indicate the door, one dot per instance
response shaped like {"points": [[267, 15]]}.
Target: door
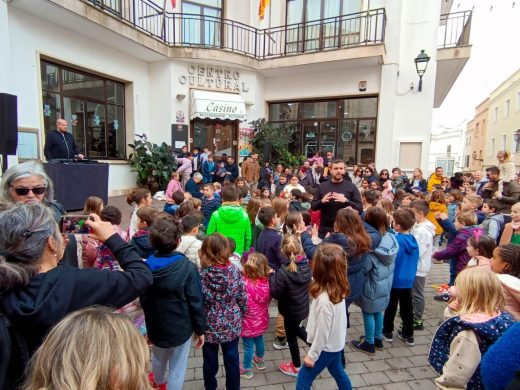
{"points": [[221, 137]]}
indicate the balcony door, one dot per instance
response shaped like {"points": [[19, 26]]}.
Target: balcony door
{"points": [[201, 25]]}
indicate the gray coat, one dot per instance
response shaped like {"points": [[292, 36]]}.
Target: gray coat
{"points": [[379, 273]]}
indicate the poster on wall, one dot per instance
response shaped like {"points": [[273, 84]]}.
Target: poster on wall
{"points": [[245, 141]]}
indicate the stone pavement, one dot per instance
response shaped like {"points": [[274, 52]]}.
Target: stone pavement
{"points": [[397, 367]]}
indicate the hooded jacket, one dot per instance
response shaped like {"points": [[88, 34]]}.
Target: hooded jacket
{"points": [[209, 206], [141, 240], [51, 295], [493, 225], [232, 221], [405, 261], [423, 233], [291, 290], [511, 290], [436, 208], [256, 320], [379, 273], [173, 306], [457, 248], [355, 262], [225, 302], [189, 246]]}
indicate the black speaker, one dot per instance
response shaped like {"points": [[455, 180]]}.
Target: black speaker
{"points": [[8, 124]]}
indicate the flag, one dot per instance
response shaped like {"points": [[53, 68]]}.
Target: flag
{"points": [[173, 4], [261, 10]]}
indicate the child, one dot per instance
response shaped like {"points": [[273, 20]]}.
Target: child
{"points": [[369, 199], [174, 298], [244, 196], [218, 189], [265, 193], [231, 220], [269, 241], [174, 185], [507, 169], [327, 324], [139, 198], [210, 202], [289, 285], [189, 245], [506, 264], [256, 320], [172, 205], [252, 211], [437, 205], [234, 258], [511, 234], [493, 222], [404, 276], [423, 231], [209, 167], [221, 173], [454, 198], [379, 270], [296, 199], [293, 185], [281, 208], [141, 239], [225, 302], [473, 203], [105, 257], [93, 205], [294, 223], [280, 186], [315, 214], [465, 226], [460, 342]]}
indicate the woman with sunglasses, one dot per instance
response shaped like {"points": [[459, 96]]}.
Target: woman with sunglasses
{"points": [[384, 176], [417, 183], [369, 174], [357, 176]]}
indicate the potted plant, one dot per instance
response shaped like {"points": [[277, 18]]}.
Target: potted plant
{"points": [[153, 163]]}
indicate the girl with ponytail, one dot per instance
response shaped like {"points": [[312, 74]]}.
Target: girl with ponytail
{"points": [[289, 285]]}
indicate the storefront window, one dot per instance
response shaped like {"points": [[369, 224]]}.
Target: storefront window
{"points": [[360, 108], [93, 106], [319, 109], [283, 111]]}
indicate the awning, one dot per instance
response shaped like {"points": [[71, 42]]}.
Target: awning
{"points": [[217, 105]]}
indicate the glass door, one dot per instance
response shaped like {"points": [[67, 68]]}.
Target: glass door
{"points": [[95, 126], [327, 137], [366, 141], [219, 136], [310, 137]]}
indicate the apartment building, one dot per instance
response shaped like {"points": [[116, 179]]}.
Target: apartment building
{"points": [[475, 137]]}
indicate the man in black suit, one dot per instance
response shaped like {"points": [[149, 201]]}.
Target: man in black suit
{"points": [[60, 144]]}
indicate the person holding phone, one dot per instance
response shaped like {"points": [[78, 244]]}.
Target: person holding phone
{"points": [[36, 292], [333, 195]]}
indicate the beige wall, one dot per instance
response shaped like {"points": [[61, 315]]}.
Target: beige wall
{"points": [[503, 121], [475, 136]]}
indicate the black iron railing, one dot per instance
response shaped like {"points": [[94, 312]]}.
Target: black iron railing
{"points": [[359, 29], [455, 29]]}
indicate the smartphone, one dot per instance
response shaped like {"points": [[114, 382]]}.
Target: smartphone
{"points": [[75, 224]]}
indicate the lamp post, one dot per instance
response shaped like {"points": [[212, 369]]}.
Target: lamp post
{"points": [[421, 63]]}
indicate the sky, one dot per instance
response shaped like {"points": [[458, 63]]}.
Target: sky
{"points": [[495, 55]]}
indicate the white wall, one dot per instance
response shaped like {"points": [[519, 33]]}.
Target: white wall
{"points": [[30, 37]]}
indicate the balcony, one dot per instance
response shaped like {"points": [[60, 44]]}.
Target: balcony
{"points": [[453, 51], [197, 31]]}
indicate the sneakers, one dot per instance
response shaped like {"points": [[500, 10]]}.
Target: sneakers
{"points": [[289, 369], [388, 337], [259, 363], [378, 343], [363, 346], [155, 386], [245, 373], [408, 340], [418, 325], [280, 344]]}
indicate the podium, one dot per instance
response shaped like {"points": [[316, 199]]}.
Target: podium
{"points": [[75, 181]]}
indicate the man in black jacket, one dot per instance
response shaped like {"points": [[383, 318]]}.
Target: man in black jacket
{"points": [[333, 195], [60, 144]]}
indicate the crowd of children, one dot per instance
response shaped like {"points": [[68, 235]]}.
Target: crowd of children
{"points": [[218, 261]]}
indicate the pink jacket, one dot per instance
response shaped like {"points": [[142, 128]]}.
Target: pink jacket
{"points": [[256, 320], [173, 186]]}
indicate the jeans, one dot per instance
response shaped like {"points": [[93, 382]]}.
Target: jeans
{"points": [[176, 359], [250, 344], [418, 297], [332, 361], [453, 271], [231, 364], [373, 323], [403, 298], [293, 330]]}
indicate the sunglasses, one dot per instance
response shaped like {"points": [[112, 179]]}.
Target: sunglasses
{"points": [[368, 171], [25, 191], [445, 181]]}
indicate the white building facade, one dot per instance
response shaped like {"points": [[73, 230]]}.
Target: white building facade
{"points": [[341, 71]]}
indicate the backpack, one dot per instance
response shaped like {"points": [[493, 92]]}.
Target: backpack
{"points": [[14, 355]]}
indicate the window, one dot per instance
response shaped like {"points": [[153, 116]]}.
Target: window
{"points": [[93, 106], [492, 148], [203, 24], [448, 149], [517, 101], [506, 108], [476, 130], [494, 115], [347, 127], [504, 142], [466, 161]]}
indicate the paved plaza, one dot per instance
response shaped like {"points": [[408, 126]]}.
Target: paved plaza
{"points": [[397, 367]]}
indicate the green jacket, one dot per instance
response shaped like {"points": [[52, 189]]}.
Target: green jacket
{"points": [[232, 221]]}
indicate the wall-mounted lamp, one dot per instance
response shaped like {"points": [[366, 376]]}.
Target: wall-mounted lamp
{"points": [[421, 63], [181, 96], [516, 136], [474, 155]]}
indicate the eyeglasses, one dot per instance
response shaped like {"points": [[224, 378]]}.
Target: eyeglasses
{"points": [[367, 171], [445, 181], [384, 173], [25, 191]]}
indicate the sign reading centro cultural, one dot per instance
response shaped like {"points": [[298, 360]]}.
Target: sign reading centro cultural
{"points": [[213, 77]]}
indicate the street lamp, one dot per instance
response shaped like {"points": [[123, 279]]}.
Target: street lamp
{"points": [[516, 135], [421, 63]]}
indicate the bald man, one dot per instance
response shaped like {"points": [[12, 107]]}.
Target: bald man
{"points": [[60, 144]]}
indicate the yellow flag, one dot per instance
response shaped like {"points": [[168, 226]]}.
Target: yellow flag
{"points": [[261, 10]]}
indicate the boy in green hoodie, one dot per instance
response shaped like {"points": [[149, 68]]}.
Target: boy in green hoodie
{"points": [[231, 220]]}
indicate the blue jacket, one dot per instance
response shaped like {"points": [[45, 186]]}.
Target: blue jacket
{"points": [[270, 244], [379, 274], [356, 262], [406, 261], [207, 169], [208, 206], [193, 188]]}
